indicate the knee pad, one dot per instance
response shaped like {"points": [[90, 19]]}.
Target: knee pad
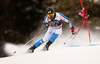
{"points": [[37, 44]]}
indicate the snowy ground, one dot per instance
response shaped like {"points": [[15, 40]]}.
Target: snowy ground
{"points": [[78, 51], [61, 55]]}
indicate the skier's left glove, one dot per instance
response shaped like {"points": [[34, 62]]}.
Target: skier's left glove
{"points": [[73, 31]]}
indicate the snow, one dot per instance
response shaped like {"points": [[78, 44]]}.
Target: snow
{"points": [[78, 51], [62, 55]]}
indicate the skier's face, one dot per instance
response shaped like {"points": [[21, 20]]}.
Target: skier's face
{"points": [[51, 16]]}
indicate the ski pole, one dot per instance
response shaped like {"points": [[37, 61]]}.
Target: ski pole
{"points": [[32, 39]]}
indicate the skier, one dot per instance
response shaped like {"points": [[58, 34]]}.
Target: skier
{"points": [[54, 22]]}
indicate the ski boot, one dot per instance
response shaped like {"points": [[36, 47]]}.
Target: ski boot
{"points": [[31, 49], [46, 47]]}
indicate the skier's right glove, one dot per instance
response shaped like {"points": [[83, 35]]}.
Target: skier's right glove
{"points": [[73, 31]]}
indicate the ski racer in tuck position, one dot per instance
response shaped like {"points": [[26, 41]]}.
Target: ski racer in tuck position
{"points": [[54, 20]]}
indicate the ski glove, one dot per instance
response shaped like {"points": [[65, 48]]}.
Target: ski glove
{"points": [[73, 31]]}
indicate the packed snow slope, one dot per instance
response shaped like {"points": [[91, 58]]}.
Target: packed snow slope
{"points": [[78, 51], [62, 55]]}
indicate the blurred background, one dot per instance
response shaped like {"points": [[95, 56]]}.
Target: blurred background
{"points": [[20, 19]]}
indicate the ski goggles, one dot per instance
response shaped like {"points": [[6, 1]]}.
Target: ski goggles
{"points": [[49, 15]]}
